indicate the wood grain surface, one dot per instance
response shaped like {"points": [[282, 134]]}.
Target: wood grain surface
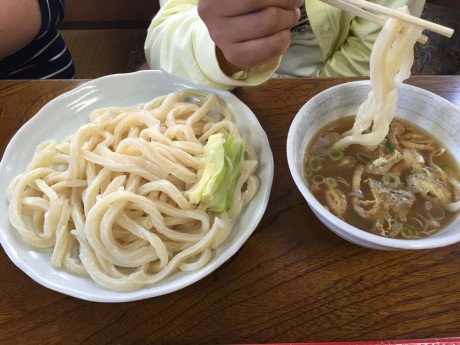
{"points": [[292, 281]]}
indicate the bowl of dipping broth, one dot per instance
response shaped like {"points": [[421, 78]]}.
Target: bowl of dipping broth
{"points": [[401, 194]]}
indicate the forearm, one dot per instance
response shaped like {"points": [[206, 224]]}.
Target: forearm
{"points": [[14, 36], [179, 43]]}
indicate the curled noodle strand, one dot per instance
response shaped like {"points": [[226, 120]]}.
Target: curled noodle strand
{"points": [[110, 201]]}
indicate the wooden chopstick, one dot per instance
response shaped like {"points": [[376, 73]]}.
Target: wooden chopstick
{"points": [[365, 14], [439, 29], [358, 7]]}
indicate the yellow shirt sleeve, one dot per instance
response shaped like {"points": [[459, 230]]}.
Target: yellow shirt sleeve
{"points": [[179, 43]]}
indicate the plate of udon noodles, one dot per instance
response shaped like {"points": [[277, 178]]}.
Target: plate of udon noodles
{"points": [[112, 192]]}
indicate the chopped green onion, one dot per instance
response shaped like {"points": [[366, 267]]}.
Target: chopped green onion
{"points": [[330, 182], [308, 173], [391, 180], [315, 163], [390, 148], [335, 154], [408, 232], [317, 180]]}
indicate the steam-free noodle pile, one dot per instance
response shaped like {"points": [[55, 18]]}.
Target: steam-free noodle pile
{"points": [[111, 200]]}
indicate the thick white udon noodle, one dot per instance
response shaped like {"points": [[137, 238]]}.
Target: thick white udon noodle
{"points": [[110, 200], [390, 64]]}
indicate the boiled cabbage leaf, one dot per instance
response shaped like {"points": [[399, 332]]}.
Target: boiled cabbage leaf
{"points": [[218, 172]]}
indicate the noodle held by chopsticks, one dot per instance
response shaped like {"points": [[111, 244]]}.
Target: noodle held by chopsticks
{"points": [[390, 64]]}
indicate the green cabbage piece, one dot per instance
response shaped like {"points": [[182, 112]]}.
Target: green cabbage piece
{"points": [[218, 172]]}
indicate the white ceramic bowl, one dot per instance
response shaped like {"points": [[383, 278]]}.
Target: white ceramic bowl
{"points": [[62, 117], [428, 110]]}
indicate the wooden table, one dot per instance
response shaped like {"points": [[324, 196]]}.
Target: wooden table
{"points": [[293, 280]]}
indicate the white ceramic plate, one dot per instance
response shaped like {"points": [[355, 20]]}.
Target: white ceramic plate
{"points": [[62, 117]]}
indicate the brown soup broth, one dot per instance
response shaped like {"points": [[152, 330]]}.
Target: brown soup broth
{"points": [[414, 182]]}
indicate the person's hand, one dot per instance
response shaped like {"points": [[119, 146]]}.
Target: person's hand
{"points": [[249, 33]]}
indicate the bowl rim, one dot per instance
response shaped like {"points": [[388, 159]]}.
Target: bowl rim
{"points": [[314, 204]]}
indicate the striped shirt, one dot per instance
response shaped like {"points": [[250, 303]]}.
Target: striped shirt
{"points": [[47, 56]]}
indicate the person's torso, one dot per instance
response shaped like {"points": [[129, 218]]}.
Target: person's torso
{"points": [[304, 55]]}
